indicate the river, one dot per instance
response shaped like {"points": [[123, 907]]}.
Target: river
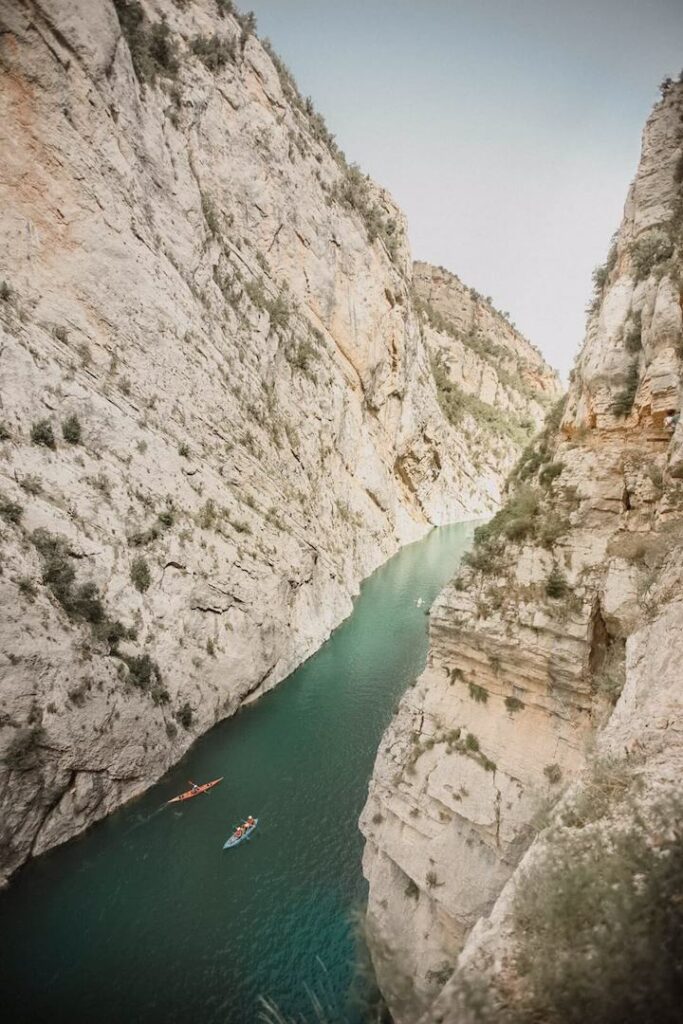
{"points": [[147, 919]]}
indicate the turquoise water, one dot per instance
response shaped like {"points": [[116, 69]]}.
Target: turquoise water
{"points": [[146, 918]]}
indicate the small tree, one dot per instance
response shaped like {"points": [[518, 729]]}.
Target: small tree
{"points": [[513, 704], [71, 429], [10, 511], [556, 585], [140, 574], [185, 715], [43, 434]]}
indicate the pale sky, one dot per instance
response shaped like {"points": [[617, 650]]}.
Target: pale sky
{"points": [[507, 130]]}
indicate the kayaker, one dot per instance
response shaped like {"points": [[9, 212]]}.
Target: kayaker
{"points": [[238, 832], [250, 821], [193, 785]]}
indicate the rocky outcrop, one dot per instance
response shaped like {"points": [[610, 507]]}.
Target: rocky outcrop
{"points": [[570, 594], [217, 413], [484, 353], [492, 384]]}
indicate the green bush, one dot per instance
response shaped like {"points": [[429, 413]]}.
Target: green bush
{"points": [[10, 511], [23, 752], [624, 399], [164, 521], [225, 7], [82, 602], [279, 310], [5, 432], [600, 926], [412, 890], [71, 429], [607, 782], [633, 334], [478, 693], [513, 704], [553, 774], [471, 742], [185, 715], [166, 518], [214, 51], [5, 292], [302, 356], [515, 521], [652, 248], [207, 515], [27, 587], [556, 585], [159, 694], [43, 434], [550, 472], [143, 671], [354, 191], [152, 48], [211, 216], [140, 574]]}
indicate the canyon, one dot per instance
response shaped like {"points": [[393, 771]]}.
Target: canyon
{"points": [[226, 394], [546, 728]]}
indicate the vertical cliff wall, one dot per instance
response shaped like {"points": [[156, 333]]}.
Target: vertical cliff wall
{"points": [[561, 632], [217, 407]]}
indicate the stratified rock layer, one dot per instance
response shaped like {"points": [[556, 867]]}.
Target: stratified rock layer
{"points": [[218, 412], [569, 596]]}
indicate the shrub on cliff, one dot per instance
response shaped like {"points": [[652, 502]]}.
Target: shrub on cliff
{"points": [[624, 399], [71, 429], [185, 715], [43, 434], [23, 752], [140, 574], [513, 704], [556, 585], [10, 511], [633, 339], [600, 920], [214, 51], [515, 521], [353, 190], [478, 694], [153, 50], [82, 602], [549, 472], [597, 922], [649, 250]]}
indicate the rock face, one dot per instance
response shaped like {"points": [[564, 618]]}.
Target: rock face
{"points": [[484, 353], [492, 385], [571, 593], [218, 412]]}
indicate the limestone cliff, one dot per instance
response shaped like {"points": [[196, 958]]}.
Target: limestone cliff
{"points": [[218, 412], [571, 593], [492, 384]]}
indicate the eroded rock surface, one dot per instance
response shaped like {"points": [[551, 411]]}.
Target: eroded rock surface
{"points": [[218, 412], [572, 593]]}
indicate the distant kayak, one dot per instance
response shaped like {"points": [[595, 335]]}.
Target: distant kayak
{"points": [[235, 840], [195, 791]]}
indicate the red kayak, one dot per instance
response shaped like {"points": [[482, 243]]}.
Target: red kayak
{"points": [[195, 791]]}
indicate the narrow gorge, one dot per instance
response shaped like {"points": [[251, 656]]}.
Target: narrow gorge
{"points": [[541, 750], [246, 438], [227, 396]]}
